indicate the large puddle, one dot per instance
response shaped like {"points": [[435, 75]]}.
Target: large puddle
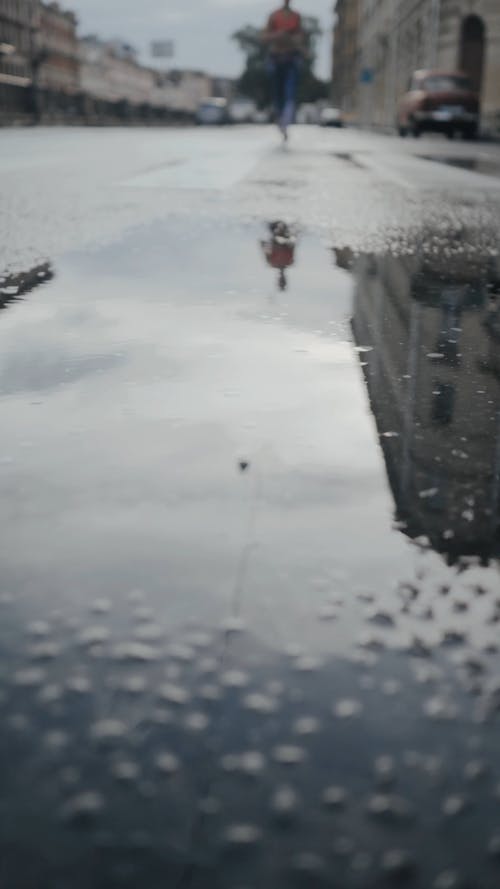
{"points": [[249, 599], [486, 165]]}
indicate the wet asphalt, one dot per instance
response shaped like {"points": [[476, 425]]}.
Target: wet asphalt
{"points": [[250, 506]]}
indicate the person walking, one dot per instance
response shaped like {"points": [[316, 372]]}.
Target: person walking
{"points": [[285, 39]]}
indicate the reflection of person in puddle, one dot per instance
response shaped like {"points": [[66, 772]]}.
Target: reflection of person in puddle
{"points": [[279, 250]]}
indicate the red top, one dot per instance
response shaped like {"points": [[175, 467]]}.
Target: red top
{"points": [[285, 20], [279, 256]]}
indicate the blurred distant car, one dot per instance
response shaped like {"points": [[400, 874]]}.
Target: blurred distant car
{"points": [[439, 101], [212, 112], [262, 116], [242, 110], [331, 117], [308, 113]]}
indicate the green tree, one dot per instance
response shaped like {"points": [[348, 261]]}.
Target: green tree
{"points": [[254, 81]]}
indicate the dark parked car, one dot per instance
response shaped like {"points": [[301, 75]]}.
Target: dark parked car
{"points": [[439, 101]]}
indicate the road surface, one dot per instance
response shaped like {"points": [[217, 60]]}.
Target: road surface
{"points": [[250, 510]]}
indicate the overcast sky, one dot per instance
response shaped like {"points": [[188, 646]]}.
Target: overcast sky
{"points": [[201, 29]]}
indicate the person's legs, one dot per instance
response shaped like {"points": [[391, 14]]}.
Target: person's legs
{"points": [[276, 73], [290, 84]]}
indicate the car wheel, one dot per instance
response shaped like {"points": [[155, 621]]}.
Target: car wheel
{"points": [[415, 129], [450, 133], [403, 131], [470, 133]]}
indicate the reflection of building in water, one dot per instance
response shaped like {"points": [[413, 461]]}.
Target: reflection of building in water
{"points": [[12, 287], [433, 327]]}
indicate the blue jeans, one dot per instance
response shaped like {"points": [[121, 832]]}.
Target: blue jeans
{"points": [[284, 74]]}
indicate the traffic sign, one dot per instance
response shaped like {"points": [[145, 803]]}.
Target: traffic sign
{"points": [[162, 49]]}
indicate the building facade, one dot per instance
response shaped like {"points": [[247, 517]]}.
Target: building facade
{"points": [[223, 87], [57, 61], [49, 74], [346, 66], [126, 80], [182, 91], [114, 83], [469, 38], [93, 69], [18, 25], [396, 37]]}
